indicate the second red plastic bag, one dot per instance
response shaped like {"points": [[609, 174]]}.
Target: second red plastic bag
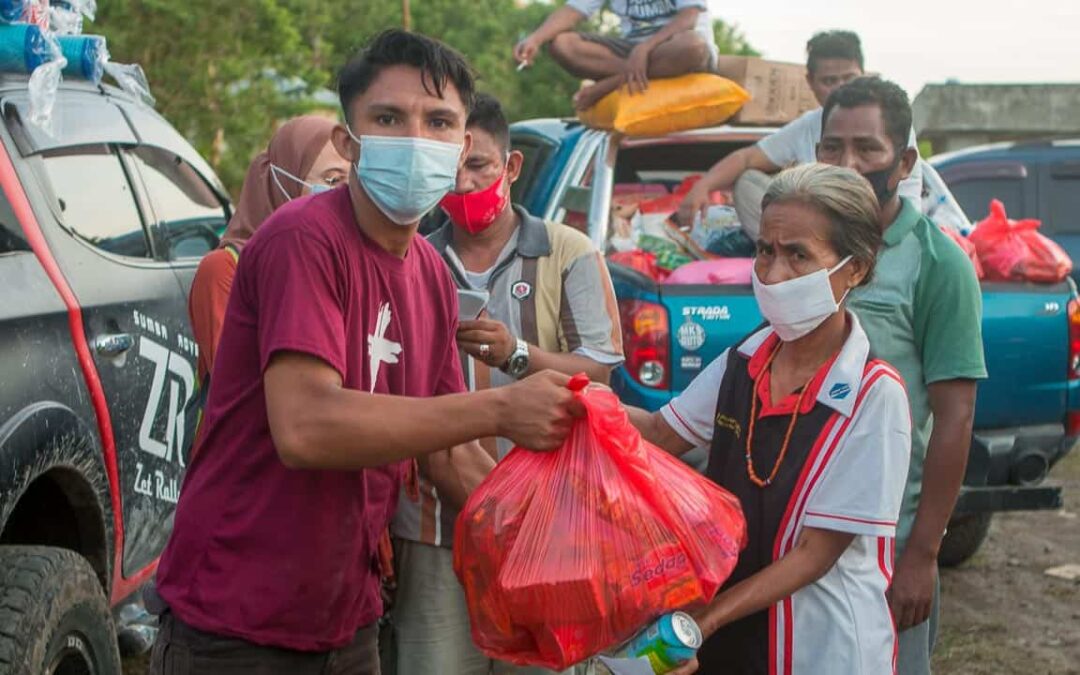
{"points": [[568, 553], [1013, 250]]}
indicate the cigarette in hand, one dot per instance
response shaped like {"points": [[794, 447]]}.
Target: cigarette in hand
{"points": [[522, 66]]}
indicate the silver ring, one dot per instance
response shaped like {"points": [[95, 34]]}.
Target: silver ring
{"points": [[485, 351]]}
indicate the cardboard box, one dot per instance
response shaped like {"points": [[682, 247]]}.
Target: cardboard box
{"points": [[779, 90]]}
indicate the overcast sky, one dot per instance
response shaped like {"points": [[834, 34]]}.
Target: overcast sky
{"points": [[926, 41]]}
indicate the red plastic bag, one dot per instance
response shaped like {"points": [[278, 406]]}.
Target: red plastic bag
{"points": [[1013, 250], [568, 553], [969, 248], [640, 261]]}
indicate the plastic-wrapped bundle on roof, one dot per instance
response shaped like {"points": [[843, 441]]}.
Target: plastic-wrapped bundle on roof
{"points": [[24, 47], [12, 11], [86, 56], [66, 16], [37, 13]]}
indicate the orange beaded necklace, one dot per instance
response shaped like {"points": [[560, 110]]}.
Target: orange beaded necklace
{"points": [[754, 478]]}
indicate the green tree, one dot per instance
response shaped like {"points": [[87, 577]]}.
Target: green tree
{"points": [[731, 40], [215, 68], [486, 32], [225, 72]]}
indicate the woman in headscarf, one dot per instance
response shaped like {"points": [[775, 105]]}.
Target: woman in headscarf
{"points": [[300, 160]]}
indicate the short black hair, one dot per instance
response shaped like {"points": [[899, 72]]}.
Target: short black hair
{"points": [[438, 65], [833, 44], [893, 101], [487, 114]]}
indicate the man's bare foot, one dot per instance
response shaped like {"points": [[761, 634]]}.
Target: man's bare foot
{"points": [[589, 95]]}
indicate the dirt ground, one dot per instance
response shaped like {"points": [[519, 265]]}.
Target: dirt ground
{"points": [[1001, 614]]}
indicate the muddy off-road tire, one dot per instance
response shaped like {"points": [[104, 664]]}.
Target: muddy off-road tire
{"points": [[54, 619], [963, 538]]}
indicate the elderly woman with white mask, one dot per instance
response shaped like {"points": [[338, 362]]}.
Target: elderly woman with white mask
{"points": [[813, 435]]}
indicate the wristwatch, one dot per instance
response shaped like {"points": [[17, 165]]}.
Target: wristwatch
{"points": [[518, 363]]}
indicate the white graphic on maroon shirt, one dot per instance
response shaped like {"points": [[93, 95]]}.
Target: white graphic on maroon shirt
{"points": [[381, 350]]}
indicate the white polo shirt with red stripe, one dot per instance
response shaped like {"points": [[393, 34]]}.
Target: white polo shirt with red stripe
{"points": [[850, 478]]}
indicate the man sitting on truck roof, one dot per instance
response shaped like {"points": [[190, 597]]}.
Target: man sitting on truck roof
{"points": [[660, 38], [922, 313], [834, 58], [550, 305]]}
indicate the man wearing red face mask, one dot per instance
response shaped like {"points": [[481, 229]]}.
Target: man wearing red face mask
{"points": [[551, 306]]}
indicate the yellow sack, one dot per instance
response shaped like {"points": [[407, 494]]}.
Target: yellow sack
{"points": [[668, 105]]}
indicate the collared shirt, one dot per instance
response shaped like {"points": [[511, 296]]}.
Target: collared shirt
{"points": [[278, 556], [845, 472], [551, 288], [923, 314]]}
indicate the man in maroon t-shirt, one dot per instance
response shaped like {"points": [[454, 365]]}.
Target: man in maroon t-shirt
{"points": [[337, 363]]}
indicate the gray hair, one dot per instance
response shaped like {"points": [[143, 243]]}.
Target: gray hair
{"points": [[844, 197]]}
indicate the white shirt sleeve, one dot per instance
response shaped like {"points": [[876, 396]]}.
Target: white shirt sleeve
{"points": [[691, 413], [863, 483], [586, 7], [793, 143]]}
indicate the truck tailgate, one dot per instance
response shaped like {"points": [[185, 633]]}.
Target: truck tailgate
{"points": [[705, 320], [1026, 342], [1025, 338]]}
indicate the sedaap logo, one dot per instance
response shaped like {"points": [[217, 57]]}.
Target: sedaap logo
{"points": [[647, 573]]}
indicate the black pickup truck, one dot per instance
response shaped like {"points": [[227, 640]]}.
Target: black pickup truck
{"points": [[102, 225]]}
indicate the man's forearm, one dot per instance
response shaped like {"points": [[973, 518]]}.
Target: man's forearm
{"points": [[952, 403], [559, 21], [344, 429], [723, 174], [568, 364], [943, 475], [458, 471], [685, 20]]}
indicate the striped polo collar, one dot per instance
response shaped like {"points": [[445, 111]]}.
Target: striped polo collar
{"points": [[841, 387]]}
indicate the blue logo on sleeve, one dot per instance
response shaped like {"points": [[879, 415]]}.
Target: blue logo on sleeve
{"points": [[839, 391]]}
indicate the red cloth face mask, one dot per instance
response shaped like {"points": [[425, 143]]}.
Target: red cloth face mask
{"points": [[476, 211]]}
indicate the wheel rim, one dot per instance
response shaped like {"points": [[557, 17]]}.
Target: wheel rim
{"points": [[73, 657]]}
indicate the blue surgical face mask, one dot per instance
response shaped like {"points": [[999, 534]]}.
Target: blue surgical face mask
{"points": [[406, 177]]}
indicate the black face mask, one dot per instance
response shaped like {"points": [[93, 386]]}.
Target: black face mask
{"points": [[879, 180]]}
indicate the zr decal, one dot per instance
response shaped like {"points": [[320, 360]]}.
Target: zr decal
{"points": [[166, 364]]}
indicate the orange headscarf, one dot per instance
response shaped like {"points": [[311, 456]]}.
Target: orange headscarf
{"points": [[294, 148]]}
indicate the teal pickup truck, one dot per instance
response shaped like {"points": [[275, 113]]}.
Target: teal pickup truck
{"points": [[1028, 412]]}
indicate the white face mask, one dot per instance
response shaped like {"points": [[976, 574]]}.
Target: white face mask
{"points": [[314, 188], [797, 306]]}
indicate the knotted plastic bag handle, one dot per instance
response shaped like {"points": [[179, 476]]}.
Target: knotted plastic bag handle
{"points": [[578, 382]]}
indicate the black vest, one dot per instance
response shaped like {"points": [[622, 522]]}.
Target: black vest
{"points": [[743, 646]]}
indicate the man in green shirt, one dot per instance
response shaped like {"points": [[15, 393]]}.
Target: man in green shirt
{"points": [[923, 314]]}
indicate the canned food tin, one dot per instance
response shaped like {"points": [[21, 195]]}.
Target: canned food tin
{"points": [[673, 640]]}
